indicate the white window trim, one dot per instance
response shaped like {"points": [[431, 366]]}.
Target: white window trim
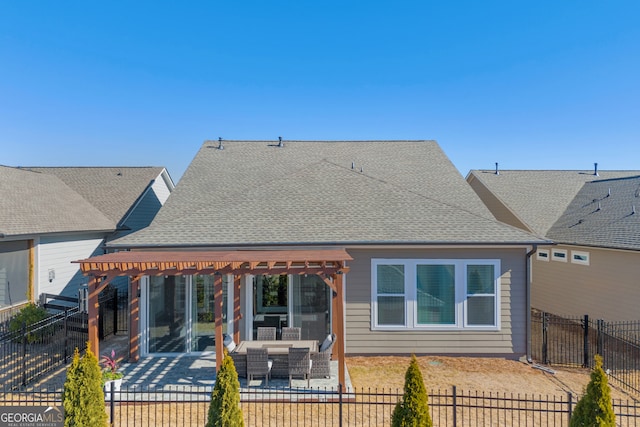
{"points": [[559, 251], [543, 258], [410, 295], [579, 261]]}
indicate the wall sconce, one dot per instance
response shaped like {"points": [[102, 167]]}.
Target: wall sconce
{"points": [[52, 274]]}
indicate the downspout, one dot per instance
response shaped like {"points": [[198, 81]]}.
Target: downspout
{"points": [[528, 303]]}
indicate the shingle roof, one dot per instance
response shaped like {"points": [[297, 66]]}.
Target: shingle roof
{"points": [[113, 190], [602, 214], [540, 197], [36, 203], [254, 193]]}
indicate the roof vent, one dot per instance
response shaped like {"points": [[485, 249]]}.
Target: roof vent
{"points": [[609, 192], [220, 146], [599, 207], [595, 169], [353, 165], [280, 143], [633, 209], [497, 171], [361, 169]]}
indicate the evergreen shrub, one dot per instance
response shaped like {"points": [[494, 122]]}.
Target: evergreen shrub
{"points": [[595, 409], [413, 409], [82, 397], [224, 409]]}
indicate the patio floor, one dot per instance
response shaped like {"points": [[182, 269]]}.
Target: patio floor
{"points": [[164, 373]]}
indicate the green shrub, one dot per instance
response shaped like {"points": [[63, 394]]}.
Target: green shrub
{"points": [[82, 397], [29, 315], [224, 409], [413, 409], [595, 408]]}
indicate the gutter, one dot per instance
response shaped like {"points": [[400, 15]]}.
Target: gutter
{"points": [[528, 303]]}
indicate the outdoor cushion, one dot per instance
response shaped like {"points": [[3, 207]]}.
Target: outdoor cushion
{"points": [[326, 343]]}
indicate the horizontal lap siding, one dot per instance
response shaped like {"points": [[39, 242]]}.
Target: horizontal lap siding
{"points": [[608, 288], [510, 340]]}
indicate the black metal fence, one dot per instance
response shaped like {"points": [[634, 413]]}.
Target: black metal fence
{"points": [[114, 312], [34, 350], [188, 406], [575, 340]]}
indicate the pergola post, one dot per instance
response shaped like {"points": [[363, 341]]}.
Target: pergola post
{"points": [[93, 312], [237, 315], [217, 295], [339, 328], [134, 319]]}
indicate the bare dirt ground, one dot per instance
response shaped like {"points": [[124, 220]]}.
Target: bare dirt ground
{"points": [[473, 374]]}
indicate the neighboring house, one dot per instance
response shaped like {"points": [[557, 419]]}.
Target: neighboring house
{"points": [[52, 216], [432, 270], [592, 217]]}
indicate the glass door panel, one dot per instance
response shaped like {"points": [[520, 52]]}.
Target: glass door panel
{"points": [[167, 314], [270, 302], [311, 307], [202, 312]]}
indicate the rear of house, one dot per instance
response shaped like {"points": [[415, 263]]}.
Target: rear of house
{"points": [[432, 270]]}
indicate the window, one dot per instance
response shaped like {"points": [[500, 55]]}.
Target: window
{"points": [[559, 255], [578, 257], [435, 294], [543, 255]]}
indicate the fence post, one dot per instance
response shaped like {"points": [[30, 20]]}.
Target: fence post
{"points": [[115, 312], [585, 345], [112, 412], [340, 404], [66, 335], [545, 325], [569, 407], [24, 353], [455, 406], [600, 344]]}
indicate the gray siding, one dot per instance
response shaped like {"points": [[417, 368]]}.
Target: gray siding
{"points": [[608, 288], [509, 341]]}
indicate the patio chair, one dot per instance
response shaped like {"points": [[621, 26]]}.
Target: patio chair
{"points": [[258, 363], [321, 367], [266, 334], [299, 363], [291, 334]]}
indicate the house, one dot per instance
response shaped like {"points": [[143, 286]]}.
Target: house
{"points": [[50, 216], [381, 242], [591, 216]]}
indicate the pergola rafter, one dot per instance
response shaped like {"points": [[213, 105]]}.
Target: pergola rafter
{"points": [[329, 264]]}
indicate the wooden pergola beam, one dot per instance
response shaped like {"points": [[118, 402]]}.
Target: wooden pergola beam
{"points": [[322, 262]]}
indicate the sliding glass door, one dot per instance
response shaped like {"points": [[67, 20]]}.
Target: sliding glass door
{"points": [[180, 314]]}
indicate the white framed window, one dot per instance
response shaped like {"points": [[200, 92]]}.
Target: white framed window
{"points": [[580, 257], [559, 255], [435, 294], [543, 255]]}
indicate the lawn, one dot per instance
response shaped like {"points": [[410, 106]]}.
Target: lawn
{"points": [[472, 374]]}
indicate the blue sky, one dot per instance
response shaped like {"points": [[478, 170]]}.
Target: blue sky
{"points": [[531, 85]]}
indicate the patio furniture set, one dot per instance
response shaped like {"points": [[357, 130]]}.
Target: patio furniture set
{"points": [[288, 357]]}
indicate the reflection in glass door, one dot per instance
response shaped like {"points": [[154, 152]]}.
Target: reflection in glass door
{"points": [[270, 302], [202, 311], [166, 314], [311, 306]]}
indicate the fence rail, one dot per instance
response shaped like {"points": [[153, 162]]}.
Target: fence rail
{"points": [[34, 350], [188, 406], [575, 340]]}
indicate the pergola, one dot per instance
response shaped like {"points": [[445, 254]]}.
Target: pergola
{"points": [[328, 264]]}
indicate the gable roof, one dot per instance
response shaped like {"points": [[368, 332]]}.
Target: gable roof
{"points": [[35, 203], [549, 201], [113, 190], [306, 192]]}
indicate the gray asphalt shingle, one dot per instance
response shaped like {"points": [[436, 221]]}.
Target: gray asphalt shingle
{"points": [[254, 193]]}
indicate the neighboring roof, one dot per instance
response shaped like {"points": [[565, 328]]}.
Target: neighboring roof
{"points": [[539, 197], [604, 213], [113, 190], [306, 192], [35, 203]]}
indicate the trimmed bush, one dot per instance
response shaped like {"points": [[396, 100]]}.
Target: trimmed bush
{"points": [[83, 398], [224, 409], [29, 315], [413, 409], [595, 407]]}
